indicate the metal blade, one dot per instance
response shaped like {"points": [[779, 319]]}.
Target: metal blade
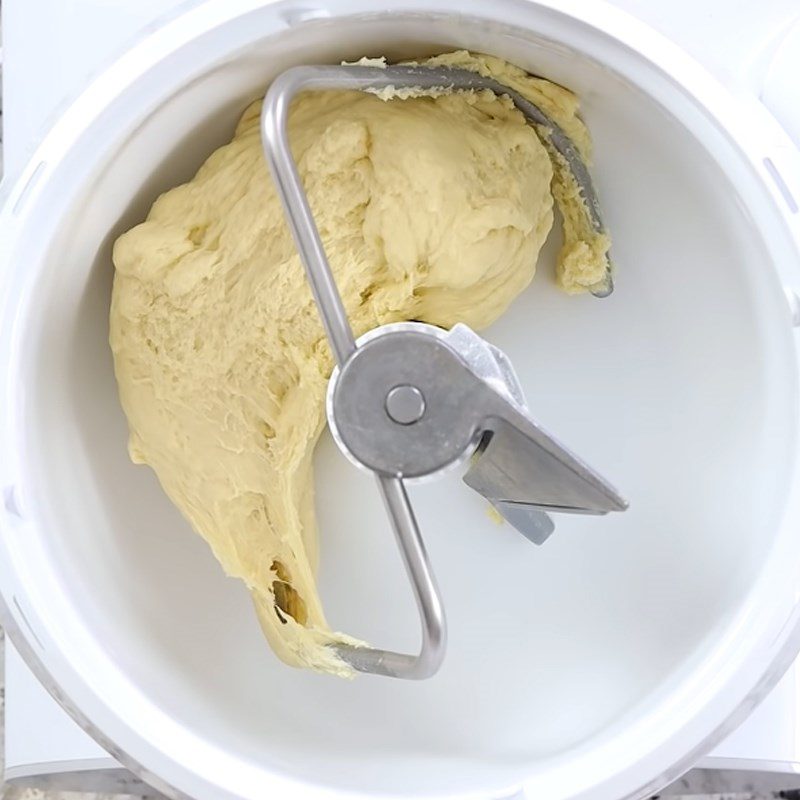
{"points": [[520, 463], [527, 519]]}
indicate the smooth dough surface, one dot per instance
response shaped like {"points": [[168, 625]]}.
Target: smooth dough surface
{"points": [[430, 208]]}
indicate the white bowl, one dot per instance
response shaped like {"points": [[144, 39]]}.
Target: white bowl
{"points": [[597, 666]]}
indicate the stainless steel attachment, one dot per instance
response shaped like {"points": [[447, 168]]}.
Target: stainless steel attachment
{"points": [[411, 400]]}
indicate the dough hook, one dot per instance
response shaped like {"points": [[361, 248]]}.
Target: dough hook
{"points": [[410, 400]]}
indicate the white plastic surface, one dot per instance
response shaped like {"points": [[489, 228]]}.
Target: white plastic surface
{"points": [[780, 91], [34, 743], [734, 39], [770, 735], [619, 626], [53, 48], [80, 37]]}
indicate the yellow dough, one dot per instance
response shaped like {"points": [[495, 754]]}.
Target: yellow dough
{"points": [[430, 208]]}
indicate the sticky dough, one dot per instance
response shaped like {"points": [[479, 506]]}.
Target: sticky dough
{"points": [[430, 208]]}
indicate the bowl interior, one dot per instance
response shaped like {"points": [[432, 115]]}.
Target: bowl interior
{"points": [[674, 388]]}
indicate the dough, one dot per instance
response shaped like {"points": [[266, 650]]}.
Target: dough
{"points": [[583, 257], [430, 208]]}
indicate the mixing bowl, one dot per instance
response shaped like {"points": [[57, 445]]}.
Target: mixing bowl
{"points": [[597, 666]]}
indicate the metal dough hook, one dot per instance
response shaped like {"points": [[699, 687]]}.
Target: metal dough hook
{"points": [[410, 400]]}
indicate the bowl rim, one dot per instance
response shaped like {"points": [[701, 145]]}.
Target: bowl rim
{"points": [[31, 633]]}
